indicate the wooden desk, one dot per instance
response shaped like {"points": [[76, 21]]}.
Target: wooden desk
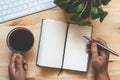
{"points": [[109, 30]]}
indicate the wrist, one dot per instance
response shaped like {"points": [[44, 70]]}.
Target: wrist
{"points": [[102, 76]]}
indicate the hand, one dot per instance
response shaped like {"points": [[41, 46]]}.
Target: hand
{"points": [[99, 59], [17, 67]]}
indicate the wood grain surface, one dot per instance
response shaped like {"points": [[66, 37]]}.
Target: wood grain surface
{"points": [[109, 30]]}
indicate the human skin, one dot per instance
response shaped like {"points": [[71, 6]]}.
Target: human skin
{"points": [[17, 67], [99, 58]]}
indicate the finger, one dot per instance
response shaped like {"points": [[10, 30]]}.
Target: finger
{"points": [[25, 65], [88, 47], [102, 51], [100, 41], [12, 66], [12, 60], [94, 50], [19, 62]]}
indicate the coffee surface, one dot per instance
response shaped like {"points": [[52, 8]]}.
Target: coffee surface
{"points": [[21, 40]]}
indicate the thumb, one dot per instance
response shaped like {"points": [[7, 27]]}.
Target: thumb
{"points": [[19, 62], [94, 50]]}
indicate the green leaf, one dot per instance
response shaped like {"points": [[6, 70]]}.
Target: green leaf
{"points": [[104, 15], [105, 2], [73, 6], [85, 23], [101, 12], [76, 6], [95, 13], [86, 12], [76, 18], [64, 4], [82, 9], [97, 3], [79, 8]]}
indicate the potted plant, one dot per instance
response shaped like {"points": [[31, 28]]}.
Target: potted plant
{"points": [[82, 11]]}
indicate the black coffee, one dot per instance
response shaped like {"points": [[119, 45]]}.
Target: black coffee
{"points": [[21, 40]]}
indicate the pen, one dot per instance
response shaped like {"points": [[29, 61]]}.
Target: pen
{"points": [[100, 45]]}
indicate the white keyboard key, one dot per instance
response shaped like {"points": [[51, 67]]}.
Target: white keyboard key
{"points": [[25, 6], [35, 3], [32, 10], [46, 1], [49, 0], [3, 13], [30, 5], [40, 2], [44, 7], [12, 0], [0, 14], [27, 1], [14, 10], [10, 5], [15, 15], [1, 19], [19, 8], [48, 4], [4, 6], [38, 8], [33, 0], [15, 4], [6, 1], [0, 8], [2, 2]]}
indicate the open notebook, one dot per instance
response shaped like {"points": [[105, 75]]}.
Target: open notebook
{"points": [[62, 44]]}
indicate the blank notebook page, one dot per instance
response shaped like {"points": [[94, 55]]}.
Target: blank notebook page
{"points": [[76, 57], [52, 43]]}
